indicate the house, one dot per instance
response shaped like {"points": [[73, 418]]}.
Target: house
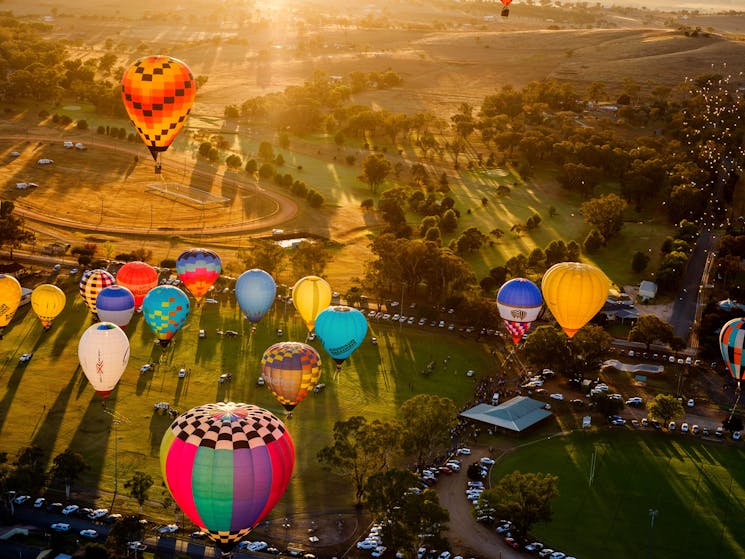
{"points": [[647, 290]]}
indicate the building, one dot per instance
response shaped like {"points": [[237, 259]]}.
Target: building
{"points": [[647, 290], [516, 414]]}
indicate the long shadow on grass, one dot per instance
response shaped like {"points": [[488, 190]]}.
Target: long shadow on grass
{"points": [[48, 429]]}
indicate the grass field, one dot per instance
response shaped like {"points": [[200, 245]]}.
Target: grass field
{"points": [[49, 401], [697, 488]]}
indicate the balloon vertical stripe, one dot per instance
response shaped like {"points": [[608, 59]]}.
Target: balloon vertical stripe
{"points": [[731, 342], [179, 478]]}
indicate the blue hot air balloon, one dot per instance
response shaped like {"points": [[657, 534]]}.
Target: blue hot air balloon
{"points": [[519, 302], [255, 290], [341, 330], [115, 304], [165, 309]]}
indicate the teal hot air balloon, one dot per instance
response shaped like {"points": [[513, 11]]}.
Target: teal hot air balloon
{"points": [[255, 290], [341, 330], [165, 309]]}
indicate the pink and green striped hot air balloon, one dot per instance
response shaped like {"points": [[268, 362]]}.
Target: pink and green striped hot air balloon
{"points": [[227, 465]]}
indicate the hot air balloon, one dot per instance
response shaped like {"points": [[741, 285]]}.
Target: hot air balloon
{"points": [[255, 290], [574, 293], [341, 330], [47, 301], [103, 351], [519, 302], [290, 370], [731, 343], [158, 93], [115, 304], [10, 298], [91, 284], [310, 296], [165, 309], [198, 269], [506, 9], [139, 278], [226, 466]]}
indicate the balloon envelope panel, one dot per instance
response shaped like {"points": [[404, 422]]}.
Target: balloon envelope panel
{"points": [[48, 301], [341, 330], [92, 283], [519, 300], [291, 370], [115, 304], [10, 298], [731, 342], [227, 465], [165, 309], [255, 291], [139, 278], [311, 295], [198, 269], [158, 93]]}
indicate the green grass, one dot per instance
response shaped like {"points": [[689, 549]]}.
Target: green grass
{"points": [[696, 487], [49, 401]]}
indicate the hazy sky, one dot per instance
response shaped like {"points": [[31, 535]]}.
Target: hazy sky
{"points": [[701, 5]]}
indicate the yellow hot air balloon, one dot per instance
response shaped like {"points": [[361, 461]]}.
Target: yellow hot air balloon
{"points": [[574, 292], [10, 298], [47, 300], [311, 295]]}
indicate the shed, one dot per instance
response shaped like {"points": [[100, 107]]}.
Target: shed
{"points": [[516, 414]]}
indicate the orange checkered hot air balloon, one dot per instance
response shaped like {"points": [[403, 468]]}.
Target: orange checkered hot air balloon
{"points": [[158, 93]]}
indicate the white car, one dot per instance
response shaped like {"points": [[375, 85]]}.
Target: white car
{"points": [[684, 427], [88, 533], [556, 396], [367, 544], [212, 301], [691, 402], [38, 503], [635, 401], [147, 367], [465, 451], [486, 460], [69, 509], [21, 499], [557, 555], [45, 161], [61, 527], [168, 529], [202, 334], [534, 546], [98, 513], [379, 551], [181, 373], [26, 357], [137, 546]]}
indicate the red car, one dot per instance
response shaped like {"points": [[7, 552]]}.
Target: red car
{"points": [[512, 543]]}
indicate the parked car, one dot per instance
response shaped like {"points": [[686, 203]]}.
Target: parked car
{"points": [[38, 503], [736, 436], [69, 509], [534, 546], [98, 513], [367, 544], [136, 546], [486, 460], [635, 401], [88, 533], [21, 499], [684, 427], [168, 529], [54, 507], [672, 426], [60, 527], [691, 402], [26, 357], [465, 451]]}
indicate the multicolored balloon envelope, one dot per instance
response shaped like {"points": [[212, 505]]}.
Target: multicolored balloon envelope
{"points": [[519, 302], [158, 93], [47, 301], [139, 278], [198, 269], [731, 343], [226, 466], [574, 292], [92, 283], [165, 309], [341, 330], [10, 298], [311, 295], [255, 290], [290, 370], [115, 304], [103, 351]]}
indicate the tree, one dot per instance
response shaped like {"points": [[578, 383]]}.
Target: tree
{"points": [[94, 550], [266, 152], [649, 328], [375, 169], [67, 467], [233, 161], [524, 499], [251, 166], [12, 232], [139, 485], [664, 408], [546, 347], [593, 241], [426, 420], [360, 450], [605, 214], [639, 261], [407, 515], [309, 259], [264, 255], [589, 345]]}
